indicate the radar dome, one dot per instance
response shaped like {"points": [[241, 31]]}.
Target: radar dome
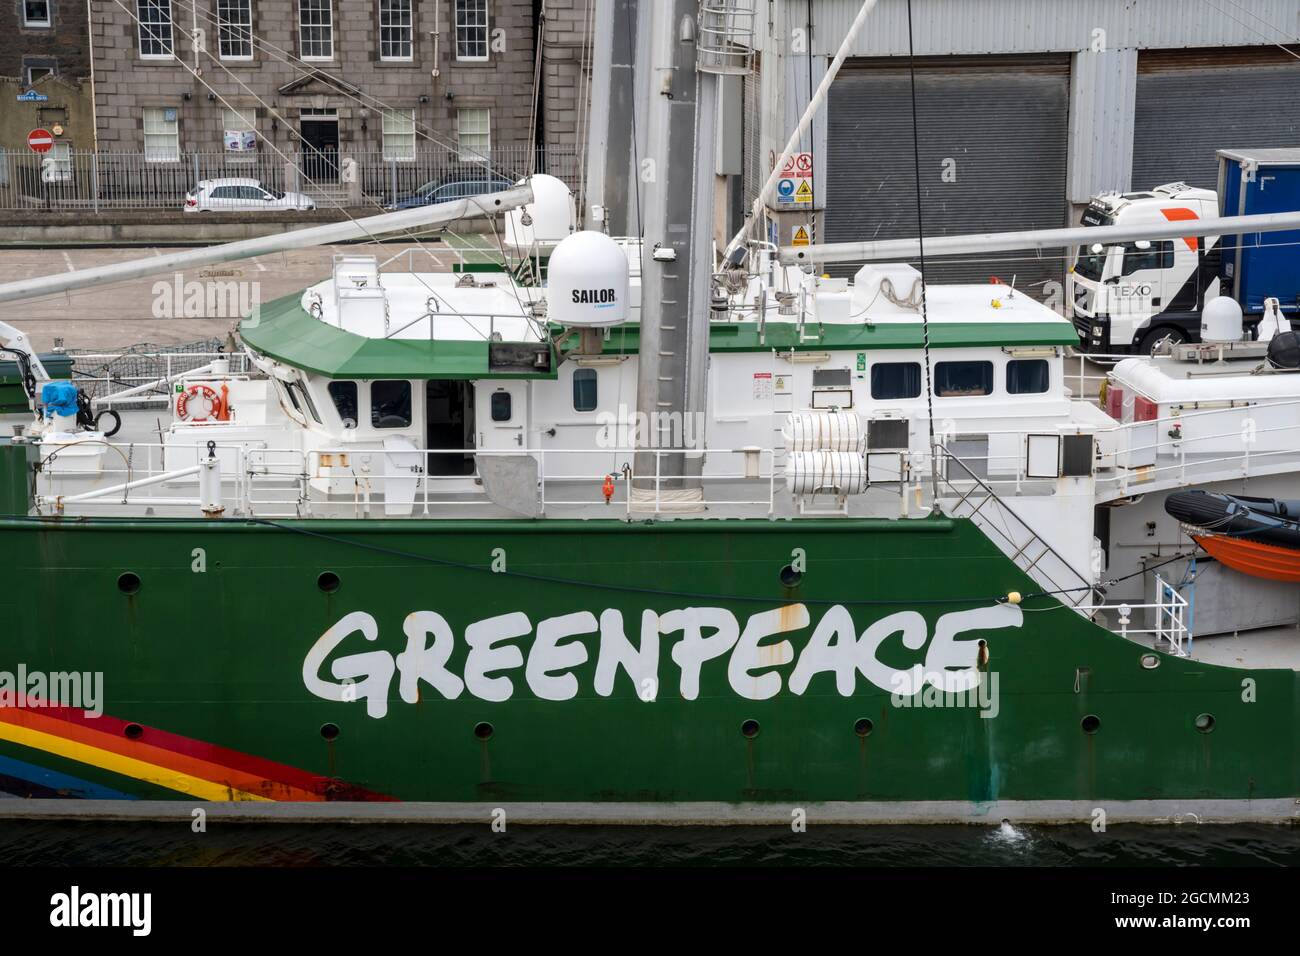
{"points": [[1221, 320], [550, 217], [586, 282]]}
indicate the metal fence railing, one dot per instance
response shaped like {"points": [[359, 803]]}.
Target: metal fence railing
{"points": [[90, 181]]}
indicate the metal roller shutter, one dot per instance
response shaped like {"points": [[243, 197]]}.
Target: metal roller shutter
{"points": [[1004, 124], [1192, 103]]}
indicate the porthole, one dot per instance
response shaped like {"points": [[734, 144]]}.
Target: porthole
{"points": [[1204, 723], [128, 582], [749, 728], [328, 582], [1090, 724], [863, 726], [1150, 661], [483, 730], [133, 731], [790, 578], [329, 731]]}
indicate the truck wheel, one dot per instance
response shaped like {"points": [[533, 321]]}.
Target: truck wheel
{"points": [[1159, 336]]}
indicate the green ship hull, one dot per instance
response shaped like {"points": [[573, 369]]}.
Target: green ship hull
{"points": [[481, 663]]}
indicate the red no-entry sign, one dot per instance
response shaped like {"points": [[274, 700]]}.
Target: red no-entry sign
{"points": [[40, 140]]}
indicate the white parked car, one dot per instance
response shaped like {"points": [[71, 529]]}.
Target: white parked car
{"points": [[242, 195]]}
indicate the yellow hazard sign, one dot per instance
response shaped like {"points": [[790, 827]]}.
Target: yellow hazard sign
{"points": [[799, 237], [804, 193]]}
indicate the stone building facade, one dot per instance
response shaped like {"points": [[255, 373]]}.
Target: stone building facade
{"points": [[393, 80], [45, 60]]}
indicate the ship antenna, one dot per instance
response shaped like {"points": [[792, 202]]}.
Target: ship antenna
{"points": [[920, 238]]}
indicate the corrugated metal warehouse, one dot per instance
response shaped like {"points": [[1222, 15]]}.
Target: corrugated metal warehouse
{"points": [[1017, 127]]}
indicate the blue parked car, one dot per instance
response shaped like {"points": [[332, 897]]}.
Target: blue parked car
{"points": [[456, 186]]}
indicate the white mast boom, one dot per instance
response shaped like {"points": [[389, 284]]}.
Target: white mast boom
{"points": [[895, 249], [486, 205]]}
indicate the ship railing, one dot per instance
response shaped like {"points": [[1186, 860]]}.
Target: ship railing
{"points": [[108, 386], [969, 496], [1169, 615], [256, 480], [1138, 462]]}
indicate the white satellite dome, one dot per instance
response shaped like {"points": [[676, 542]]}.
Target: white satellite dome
{"points": [[586, 282], [1221, 320], [551, 216]]}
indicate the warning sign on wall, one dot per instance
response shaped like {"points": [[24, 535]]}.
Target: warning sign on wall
{"points": [[803, 195], [799, 236]]}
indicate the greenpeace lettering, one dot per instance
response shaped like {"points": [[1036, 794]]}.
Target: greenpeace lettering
{"points": [[496, 654]]}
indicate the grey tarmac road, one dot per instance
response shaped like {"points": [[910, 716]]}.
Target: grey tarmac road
{"points": [[116, 316]]}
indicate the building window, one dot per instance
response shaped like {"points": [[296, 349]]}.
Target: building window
{"points": [[471, 30], [399, 135], [155, 18], [36, 13], [1028, 376], [474, 134], [961, 379], [316, 29], [893, 380], [390, 404], [161, 136], [239, 131], [584, 390], [34, 72], [235, 29], [395, 29], [56, 167]]}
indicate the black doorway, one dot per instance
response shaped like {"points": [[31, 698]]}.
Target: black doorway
{"points": [[449, 417], [320, 149]]}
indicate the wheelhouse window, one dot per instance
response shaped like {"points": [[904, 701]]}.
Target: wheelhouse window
{"points": [[344, 396], [963, 379], [315, 29], [399, 135], [1028, 376], [301, 399], [502, 406], [155, 28], [390, 404], [161, 135], [471, 30], [235, 29], [36, 13], [892, 380], [395, 29], [584, 390]]}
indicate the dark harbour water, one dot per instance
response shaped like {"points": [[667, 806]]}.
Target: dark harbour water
{"points": [[34, 843]]}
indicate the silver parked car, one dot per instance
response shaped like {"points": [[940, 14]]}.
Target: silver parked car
{"points": [[242, 195]]}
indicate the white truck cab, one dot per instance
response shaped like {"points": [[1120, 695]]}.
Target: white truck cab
{"points": [[1129, 297]]}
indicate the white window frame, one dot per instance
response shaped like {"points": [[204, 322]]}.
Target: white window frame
{"points": [[397, 18], [235, 35], [159, 133], [399, 135], [149, 30], [476, 153], [327, 26], [468, 27], [29, 80], [59, 159], [42, 24], [244, 120]]}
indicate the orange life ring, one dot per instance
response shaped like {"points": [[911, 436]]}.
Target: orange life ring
{"points": [[216, 406]]}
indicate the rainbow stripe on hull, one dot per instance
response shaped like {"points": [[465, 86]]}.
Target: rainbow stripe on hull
{"points": [[151, 756]]}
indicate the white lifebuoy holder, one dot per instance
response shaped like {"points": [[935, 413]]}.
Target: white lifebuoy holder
{"points": [[200, 403]]}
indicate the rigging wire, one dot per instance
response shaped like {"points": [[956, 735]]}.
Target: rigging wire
{"points": [[920, 238]]}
